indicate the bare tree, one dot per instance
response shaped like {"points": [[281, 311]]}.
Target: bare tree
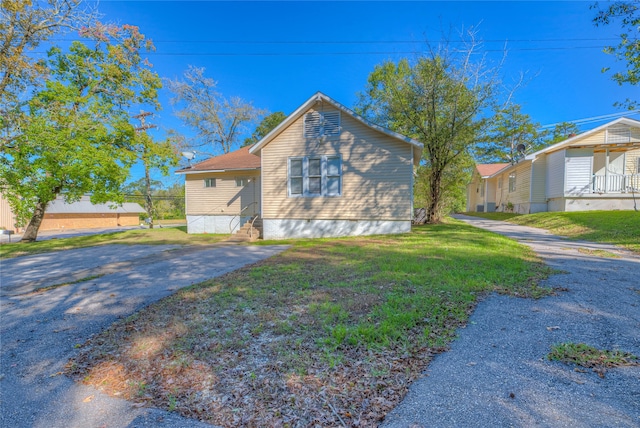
{"points": [[219, 121], [24, 25]]}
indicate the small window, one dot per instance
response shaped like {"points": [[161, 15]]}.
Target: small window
{"points": [[295, 176], [319, 124], [241, 181], [482, 189], [512, 182], [315, 176], [209, 182]]}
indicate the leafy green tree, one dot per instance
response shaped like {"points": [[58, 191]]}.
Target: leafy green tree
{"points": [[78, 138], [627, 13], [218, 121], [24, 26], [266, 126], [561, 131], [437, 99], [510, 135]]}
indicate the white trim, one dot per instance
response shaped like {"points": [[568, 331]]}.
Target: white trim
{"points": [[624, 120], [209, 171], [320, 97], [309, 228]]}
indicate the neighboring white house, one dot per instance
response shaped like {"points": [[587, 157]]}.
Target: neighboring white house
{"points": [[596, 170], [324, 171]]}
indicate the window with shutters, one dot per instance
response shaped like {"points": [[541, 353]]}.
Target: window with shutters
{"points": [[209, 182], [321, 124], [315, 176]]}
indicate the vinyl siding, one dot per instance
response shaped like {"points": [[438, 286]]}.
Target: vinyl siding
{"points": [[631, 166], [376, 175], [597, 138], [225, 198], [523, 180], [539, 180], [7, 219], [578, 164], [555, 174]]}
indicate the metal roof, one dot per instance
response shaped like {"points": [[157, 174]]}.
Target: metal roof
{"points": [[84, 206]]}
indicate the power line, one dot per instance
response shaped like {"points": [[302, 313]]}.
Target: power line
{"points": [[282, 54], [593, 119], [355, 42]]}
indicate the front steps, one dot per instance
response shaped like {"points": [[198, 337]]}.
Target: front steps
{"points": [[248, 233]]}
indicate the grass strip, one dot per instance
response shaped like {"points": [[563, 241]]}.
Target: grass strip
{"points": [[330, 332], [610, 227], [159, 236]]}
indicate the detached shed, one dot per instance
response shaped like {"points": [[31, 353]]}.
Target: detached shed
{"points": [[82, 214]]}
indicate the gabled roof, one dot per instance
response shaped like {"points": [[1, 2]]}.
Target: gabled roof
{"points": [[572, 140], [240, 159], [84, 206], [320, 97], [488, 169]]}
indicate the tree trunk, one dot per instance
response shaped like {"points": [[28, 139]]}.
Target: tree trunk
{"points": [[433, 215], [148, 202], [31, 233]]}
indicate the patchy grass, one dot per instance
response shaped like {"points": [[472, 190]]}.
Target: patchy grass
{"points": [[583, 355], [612, 227], [160, 236], [64, 284], [493, 216], [328, 333], [598, 253]]}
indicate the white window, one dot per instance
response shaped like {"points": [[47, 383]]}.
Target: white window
{"points": [[512, 182], [320, 124], [241, 181], [209, 182], [315, 176]]}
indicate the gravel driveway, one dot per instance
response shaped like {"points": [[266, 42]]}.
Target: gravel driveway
{"points": [[40, 331], [496, 373]]}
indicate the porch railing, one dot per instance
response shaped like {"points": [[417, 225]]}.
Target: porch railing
{"points": [[615, 183]]}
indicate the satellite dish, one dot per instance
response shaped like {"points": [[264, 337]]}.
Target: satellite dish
{"points": [[189, 156], [521, 148]]}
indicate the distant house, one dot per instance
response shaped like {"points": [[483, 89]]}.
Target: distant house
{"points": [[82, 214], [596, 170], [324, 171]]}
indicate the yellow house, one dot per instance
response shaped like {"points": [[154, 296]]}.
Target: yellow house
{"points": [[324, 171], [596, 170]]}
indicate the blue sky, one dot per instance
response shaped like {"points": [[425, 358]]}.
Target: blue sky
{"points": [[277, 54]]}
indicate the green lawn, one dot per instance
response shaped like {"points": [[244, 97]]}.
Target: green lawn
{"points": [[328, 333], [613, 227], [159, 236]]}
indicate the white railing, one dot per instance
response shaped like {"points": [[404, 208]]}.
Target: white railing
{"points": [[615, 183]]}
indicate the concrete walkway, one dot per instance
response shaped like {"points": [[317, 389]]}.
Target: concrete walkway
{"points": [[40, 331], [496, 373]]}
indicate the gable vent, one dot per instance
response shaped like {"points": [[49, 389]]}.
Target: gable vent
{"points": [[619, 134], [320, 124]]}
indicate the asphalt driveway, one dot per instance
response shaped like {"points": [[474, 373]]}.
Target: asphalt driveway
{"points": [[40, 330], [496, 373]]}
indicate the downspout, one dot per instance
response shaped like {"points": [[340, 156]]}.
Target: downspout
{"points": [[531, 186], [486, 195], [606, 170], [411, 213]]}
